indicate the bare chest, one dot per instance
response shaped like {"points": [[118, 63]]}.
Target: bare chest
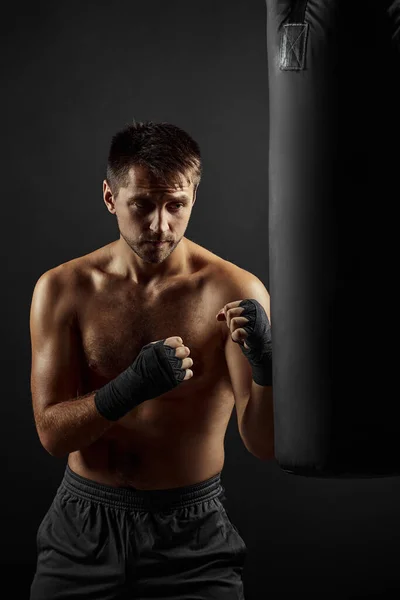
{"points": [[115, 328]]}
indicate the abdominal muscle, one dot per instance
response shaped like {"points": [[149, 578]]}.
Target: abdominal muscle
{"points": [[160, 445]]}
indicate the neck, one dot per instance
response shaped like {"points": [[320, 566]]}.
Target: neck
{"points": [[148, 274]]}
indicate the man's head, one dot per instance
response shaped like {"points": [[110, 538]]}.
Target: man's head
{"points": [[153, 172]]}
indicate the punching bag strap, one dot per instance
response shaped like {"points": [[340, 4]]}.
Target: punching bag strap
{"points": [[294, 39]]}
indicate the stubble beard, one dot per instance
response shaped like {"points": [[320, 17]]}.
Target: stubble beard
{"points": [[149, 254]]}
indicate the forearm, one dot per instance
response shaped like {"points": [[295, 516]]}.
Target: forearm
{"points": [[71, 425], [257, 426], [74, 424]]}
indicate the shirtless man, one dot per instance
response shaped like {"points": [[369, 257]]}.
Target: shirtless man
{"points": [[139, 354]]}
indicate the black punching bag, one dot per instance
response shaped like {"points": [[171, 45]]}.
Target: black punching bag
{"points": [[334, 235]]}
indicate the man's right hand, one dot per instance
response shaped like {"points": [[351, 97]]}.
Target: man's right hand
{"points": [[182, 352], [159, 367]]}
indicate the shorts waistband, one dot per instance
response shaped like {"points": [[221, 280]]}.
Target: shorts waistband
{"points": [[132, 498]]}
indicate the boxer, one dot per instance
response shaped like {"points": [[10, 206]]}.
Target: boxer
{"points": [[141, 349]]}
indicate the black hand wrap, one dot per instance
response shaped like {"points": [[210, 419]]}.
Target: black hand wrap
{"points": [[155, 371], [259, 341]]}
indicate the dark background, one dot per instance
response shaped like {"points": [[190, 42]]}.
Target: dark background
{"points": [[72, 75]]}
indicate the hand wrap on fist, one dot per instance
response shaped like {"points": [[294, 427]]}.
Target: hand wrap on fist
{"points": [[259, 341], [155, 371]]}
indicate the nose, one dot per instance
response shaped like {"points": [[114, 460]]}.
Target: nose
{"points": [[159, 222]]}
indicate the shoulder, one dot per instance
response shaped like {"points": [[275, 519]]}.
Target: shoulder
{"points": [[240, 284], [64, 282], [232, 282], [59, 279], [53, 296], [242, 281]]}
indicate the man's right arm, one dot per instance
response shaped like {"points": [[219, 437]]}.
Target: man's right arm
{"points": [[65, 422]]}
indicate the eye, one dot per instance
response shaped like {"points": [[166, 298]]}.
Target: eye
{"points": [[140, 207], [177, 206]]}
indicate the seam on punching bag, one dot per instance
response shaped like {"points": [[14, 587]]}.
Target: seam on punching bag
{"points": [[298, 12], [293, 46]]}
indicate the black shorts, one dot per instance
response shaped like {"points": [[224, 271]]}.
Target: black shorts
{"points": [[101, 542]]}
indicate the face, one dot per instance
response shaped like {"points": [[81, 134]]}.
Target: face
{"points": [[148, 211]]}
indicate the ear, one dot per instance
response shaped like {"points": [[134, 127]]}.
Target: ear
{"points": [[108, 198], [195, 193]]}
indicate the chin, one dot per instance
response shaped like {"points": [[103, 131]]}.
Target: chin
{"points": [[157, 258], [153, 261]]}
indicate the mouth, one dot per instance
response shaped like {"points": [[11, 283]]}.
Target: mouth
{"points": [[156, 243]]}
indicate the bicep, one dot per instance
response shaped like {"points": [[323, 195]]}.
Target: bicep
{"points": [[54, 344], [239, 368]]}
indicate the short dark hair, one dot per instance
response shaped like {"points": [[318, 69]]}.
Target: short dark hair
{"points": [[164, 149]]}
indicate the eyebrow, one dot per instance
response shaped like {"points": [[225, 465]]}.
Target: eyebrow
{"points": [[181, 196]]}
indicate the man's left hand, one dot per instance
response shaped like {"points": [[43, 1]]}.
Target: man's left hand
{"points": [[250, 328], [231, 313]]}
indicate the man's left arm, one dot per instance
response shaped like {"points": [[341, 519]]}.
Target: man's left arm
{"points": [[248, 352]]}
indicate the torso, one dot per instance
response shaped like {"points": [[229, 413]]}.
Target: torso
{"points": [[178, 438]]}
